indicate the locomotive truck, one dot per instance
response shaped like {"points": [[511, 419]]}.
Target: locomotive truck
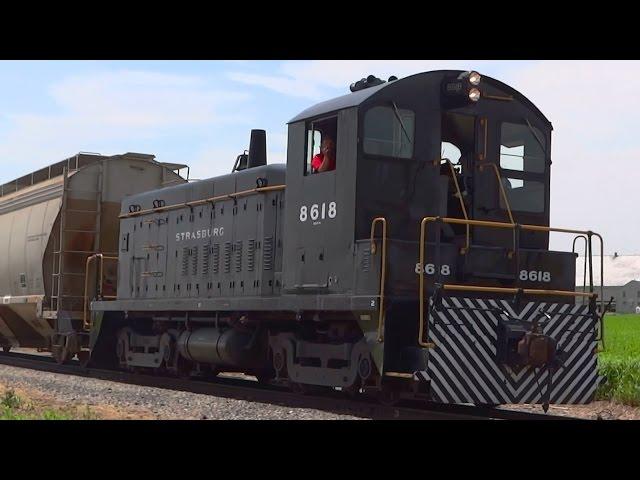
{"points": [[417, 266]]}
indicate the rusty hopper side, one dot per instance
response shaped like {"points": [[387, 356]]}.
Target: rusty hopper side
{"points": [[51, 221]]}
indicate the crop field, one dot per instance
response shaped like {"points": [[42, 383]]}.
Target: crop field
{"points": [[620, 361]]}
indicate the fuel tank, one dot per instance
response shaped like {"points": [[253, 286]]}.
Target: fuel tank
{"points": [[230, 347]]}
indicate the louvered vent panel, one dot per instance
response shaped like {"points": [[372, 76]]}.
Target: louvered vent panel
{"points": [[267, 253], [215, 258], [238, 255], [185, 261], [251, 255], [206, 260], [194, 261], [365, 263], [227, 257]]}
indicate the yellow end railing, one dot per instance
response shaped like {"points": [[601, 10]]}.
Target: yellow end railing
{"points": [[85, 321], [528, 291]]}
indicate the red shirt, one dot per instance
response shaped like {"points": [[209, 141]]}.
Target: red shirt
{"points": [[317, 160]]}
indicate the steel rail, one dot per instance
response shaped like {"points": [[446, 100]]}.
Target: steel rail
{"points": [[248, 390]]}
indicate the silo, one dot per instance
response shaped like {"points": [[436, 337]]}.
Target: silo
{"points": [[51, 221]]}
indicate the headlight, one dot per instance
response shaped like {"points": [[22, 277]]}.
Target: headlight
{"points": [[474, 78], [474, 94]]}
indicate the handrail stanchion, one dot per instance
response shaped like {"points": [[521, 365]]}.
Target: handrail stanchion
{"points": [[383, 270], [462, 206], [85, 322], [573, 250], [601, 271], [90, 259], [423, 230]]}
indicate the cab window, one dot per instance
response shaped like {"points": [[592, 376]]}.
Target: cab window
{"points": [[389, 132], [522, 148], [523, 163], [523, 195], [321, 146]]}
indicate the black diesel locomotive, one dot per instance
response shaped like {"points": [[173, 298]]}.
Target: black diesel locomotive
{"points": [[418, 264]]}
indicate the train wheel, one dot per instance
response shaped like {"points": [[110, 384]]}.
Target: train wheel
{"points": [[306, 389], [183, 368], [265, 377], [301, 388], [61, 355], [83, 357], [353, 391], [388, 396]]}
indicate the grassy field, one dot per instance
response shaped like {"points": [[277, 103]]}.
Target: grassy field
{"points": [[14, 407], [620, 361]]}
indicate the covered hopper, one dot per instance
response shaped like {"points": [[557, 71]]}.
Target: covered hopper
{"points": [[51, 221]]}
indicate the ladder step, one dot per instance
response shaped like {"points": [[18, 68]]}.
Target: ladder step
{"points": [[68, 273], [81, 211], [86, 252], [80, 231], [82, 191]]}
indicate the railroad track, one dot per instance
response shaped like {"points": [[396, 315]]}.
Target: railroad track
{"points": [[241, 389]]}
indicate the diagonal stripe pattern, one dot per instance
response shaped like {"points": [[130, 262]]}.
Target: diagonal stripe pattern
{"points": [[464, 366]]}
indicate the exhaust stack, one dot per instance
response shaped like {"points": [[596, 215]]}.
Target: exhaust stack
{"points": [[257, 149]]}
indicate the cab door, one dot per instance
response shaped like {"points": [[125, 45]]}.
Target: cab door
{"points": [[318, 254], [511, 180]]}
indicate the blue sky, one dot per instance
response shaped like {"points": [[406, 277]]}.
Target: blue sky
{"points": [[201, 112]]}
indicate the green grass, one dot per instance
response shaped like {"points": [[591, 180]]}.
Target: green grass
{"points": [[619, 363], [13, 407]]}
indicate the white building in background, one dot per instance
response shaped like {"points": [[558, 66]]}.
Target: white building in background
{"points": [[621, 280]]}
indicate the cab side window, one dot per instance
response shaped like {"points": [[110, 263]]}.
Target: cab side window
{"points": [[523, 165], [321, 148], [389, 132]]}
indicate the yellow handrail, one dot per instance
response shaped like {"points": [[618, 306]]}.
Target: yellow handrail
{"points": [[203, 201], [464, 209], [383, 269], [473, 288], [90, 259], [502, 192]]}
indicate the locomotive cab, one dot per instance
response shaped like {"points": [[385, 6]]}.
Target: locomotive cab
{"points": [[439, 144]]}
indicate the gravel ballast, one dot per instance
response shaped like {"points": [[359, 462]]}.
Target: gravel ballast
{"points": [[127, 401], [113, 400]]}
